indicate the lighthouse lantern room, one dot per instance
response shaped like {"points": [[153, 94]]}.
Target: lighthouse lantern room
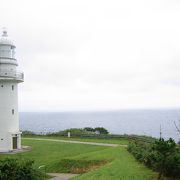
{"points": [[10, 135]]}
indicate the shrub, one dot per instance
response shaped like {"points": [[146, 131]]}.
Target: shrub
{"points": [[101, 130], [89, 129], [165, 151], [28, 133], [15, 169], [162, 156], [74, 130], [85, 132]]}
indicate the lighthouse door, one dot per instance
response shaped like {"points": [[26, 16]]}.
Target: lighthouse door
{"points": [[14, 142]]}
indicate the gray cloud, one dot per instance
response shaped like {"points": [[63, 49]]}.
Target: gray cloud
{"points": [[96, 54]]}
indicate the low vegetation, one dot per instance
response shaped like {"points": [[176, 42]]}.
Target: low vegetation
{"points": [[77, 166], [19, 169], [81, 131], [100, 162], [162, 156], [89, 134]]}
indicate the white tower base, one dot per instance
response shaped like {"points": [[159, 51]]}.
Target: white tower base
{"points": [[12, 142]]}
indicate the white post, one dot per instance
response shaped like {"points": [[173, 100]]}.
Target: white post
{"points": [[69, 134]]}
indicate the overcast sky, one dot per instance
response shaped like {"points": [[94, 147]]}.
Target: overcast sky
{"points": [[95, 55]]}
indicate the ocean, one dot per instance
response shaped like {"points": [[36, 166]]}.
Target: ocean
{"points": [[141, 122]]}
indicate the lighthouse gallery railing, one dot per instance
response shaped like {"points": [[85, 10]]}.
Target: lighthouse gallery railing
{"points": [[12, 74]]}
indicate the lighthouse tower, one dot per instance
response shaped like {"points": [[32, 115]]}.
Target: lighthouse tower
{"points": [[10, 136]]}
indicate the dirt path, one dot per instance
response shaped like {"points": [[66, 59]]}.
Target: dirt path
{"points": [[77, 142], [61, 176]]}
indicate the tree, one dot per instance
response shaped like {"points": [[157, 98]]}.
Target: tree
{"points": [[90, 129], [101, 130], [177, 126], [162, 156], [164, 150], [74, 130]]}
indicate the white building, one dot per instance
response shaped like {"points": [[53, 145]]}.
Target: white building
{"points": [[10, 136]]}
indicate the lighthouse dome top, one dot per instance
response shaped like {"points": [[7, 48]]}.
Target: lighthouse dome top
{"points": [[4, 40]]}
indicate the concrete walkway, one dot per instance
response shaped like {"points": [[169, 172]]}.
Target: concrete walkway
{"points": [[61, 176], [77, 142]]}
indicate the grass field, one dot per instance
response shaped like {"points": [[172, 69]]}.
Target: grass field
{"points": [[117, 163], [121, 141]]}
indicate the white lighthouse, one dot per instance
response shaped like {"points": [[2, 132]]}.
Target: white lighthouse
{"points": [[10, 136]]}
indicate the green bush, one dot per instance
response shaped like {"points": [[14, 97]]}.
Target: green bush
{"points": [[79, 132], [89, 129], [74, 130], [101, 130], [15, 169], [28, 133], [162, 156], [141, 151], [166, 159]]}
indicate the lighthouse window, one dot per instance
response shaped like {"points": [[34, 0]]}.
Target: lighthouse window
{"points": [[12, 87], [12, 111]]}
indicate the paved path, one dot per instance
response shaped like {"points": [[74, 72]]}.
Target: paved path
{"points": [[77, 142], [61, 176]]}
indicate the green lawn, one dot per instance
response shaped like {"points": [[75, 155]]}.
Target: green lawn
{"points": [[122, 167], [120, 164], [121, 141]]}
